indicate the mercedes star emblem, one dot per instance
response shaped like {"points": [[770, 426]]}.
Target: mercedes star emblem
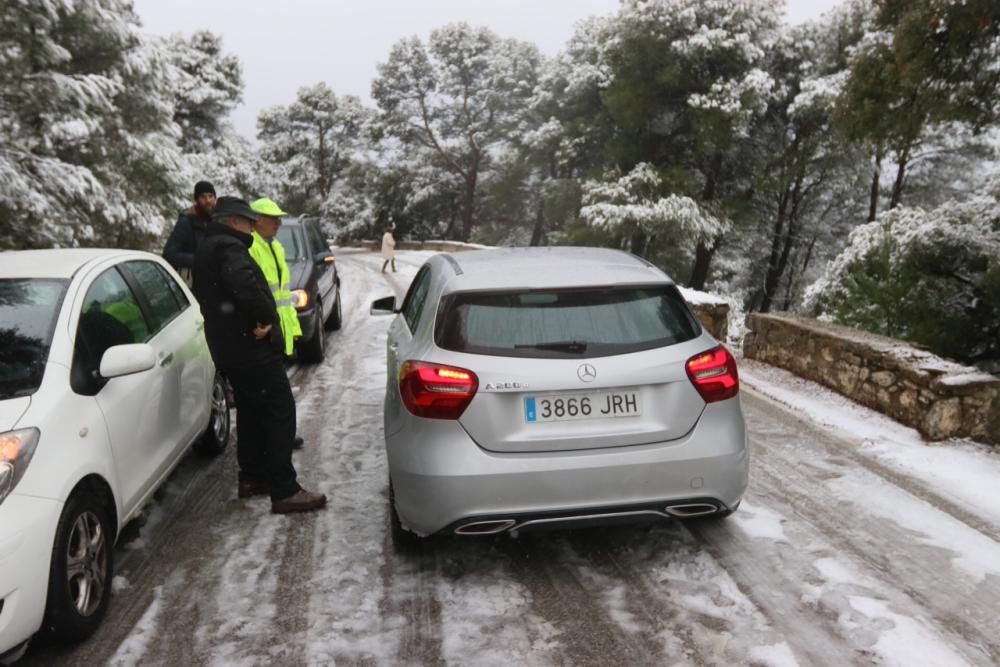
{"points": [[587, 373]]}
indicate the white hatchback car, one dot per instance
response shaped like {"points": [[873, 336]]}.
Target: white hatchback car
{"points": [[529, 388], [105, 382]]}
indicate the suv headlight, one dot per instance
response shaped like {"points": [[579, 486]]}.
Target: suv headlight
{"points": [[300, 298], [16, 450]]}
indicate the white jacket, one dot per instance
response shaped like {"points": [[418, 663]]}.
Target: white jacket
{"points": [[388, 246]]}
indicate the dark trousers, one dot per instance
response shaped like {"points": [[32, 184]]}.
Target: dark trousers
{"points": [[265, 426]]}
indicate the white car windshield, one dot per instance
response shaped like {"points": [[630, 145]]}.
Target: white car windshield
{"points": [[28, 310]]}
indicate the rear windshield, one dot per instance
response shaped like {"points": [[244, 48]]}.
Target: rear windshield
{"points": [[291, 239], [564, 323], [28, 310]]}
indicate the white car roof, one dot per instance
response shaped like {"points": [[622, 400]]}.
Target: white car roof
{"points": [[57, 263], [550, 266]]}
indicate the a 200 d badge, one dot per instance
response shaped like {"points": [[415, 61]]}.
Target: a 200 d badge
{"points": [[504, 386]]}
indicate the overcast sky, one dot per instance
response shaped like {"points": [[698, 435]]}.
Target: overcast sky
{"points": [[287, 44]]}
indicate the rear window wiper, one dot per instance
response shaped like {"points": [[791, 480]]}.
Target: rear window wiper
{"points": [[574, 346]]}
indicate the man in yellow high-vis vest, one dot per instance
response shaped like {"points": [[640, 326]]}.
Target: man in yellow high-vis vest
{"points": [[269, 254]]}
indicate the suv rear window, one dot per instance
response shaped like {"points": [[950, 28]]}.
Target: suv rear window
{"points": [[564, 323]]}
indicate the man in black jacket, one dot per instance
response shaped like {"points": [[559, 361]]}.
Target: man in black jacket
{"points": [[244, 336], [190, 230]]}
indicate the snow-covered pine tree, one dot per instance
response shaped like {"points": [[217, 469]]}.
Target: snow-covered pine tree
{"points": [[313, 140], [459, 96], [88, 148]]}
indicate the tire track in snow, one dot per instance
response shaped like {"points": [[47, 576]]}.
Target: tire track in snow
{"points": [[797, 467], [345, 592]]}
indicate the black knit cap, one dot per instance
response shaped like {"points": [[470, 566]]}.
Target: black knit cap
{"points": [[226, 207], [203, 187]]}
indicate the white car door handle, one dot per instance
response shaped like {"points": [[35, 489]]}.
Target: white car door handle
{"points": [[166, 359], [199, 325]]}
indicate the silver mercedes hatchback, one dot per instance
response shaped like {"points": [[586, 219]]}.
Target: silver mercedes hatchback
{"points": [[542, 387]]}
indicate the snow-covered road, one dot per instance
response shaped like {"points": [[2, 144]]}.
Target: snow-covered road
{"points": [[855, 545]]}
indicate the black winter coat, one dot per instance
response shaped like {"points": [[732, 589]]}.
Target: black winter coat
{"points": [[234, 298], [185, 239]]}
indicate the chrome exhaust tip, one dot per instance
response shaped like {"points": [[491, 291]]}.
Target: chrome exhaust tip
{"points": [[691, 509], [485, 527]]}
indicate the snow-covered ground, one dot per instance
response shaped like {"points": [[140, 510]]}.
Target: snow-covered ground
{"points": [[856, 544]]}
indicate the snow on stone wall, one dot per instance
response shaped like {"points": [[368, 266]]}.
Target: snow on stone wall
{"points": [[939, 398]]}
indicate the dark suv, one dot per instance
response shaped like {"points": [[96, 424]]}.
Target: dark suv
{"points": [[314, 283]]}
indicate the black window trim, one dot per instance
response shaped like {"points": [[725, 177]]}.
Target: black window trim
{"points": [[425, 270], [99, 383], [140, 296]]}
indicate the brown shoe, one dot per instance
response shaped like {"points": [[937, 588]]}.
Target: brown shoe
{"points": [[301, 501], [248, 489]]}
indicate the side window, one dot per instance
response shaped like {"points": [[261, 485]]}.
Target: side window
{"points": [[154, 285], [316, 239], [110, 316], [414, 301], [174, 287]]}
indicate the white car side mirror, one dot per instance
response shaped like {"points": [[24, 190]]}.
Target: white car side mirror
{"points": [[127, 359]]}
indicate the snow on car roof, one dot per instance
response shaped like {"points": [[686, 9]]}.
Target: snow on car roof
{"points": [[55, 263], [551, 266]]}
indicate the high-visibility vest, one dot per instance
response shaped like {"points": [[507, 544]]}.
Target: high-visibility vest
{"points": [[270, 257]]}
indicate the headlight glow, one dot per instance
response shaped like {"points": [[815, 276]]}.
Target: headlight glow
{"points": [[300, 298], [16, 450]]}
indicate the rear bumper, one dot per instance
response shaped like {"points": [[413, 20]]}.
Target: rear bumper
{"points": [[27, 531], [441, 478]]}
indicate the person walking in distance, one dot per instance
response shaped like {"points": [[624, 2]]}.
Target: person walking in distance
{"points": [[189, 230], [244, 336], [388, 249], [269, 254]]}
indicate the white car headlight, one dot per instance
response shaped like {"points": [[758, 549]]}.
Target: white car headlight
{"points": [[16, 450]]}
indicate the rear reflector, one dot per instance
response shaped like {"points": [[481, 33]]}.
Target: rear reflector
{"points": [[435, 391], [714, 374]]}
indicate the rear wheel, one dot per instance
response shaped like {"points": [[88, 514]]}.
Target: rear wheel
{"points": [[215, 438], [313, 350], [81, 570]]}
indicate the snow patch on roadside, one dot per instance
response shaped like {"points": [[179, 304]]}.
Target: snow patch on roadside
{"points": [[964, 472], [760, 522], [475, 614], [779, 655], [119, 584], [908, 641], [975, 553], [133, 648]]}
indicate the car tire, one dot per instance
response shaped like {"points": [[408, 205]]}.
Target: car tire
{"points": [[216, 437], [81, 570], [313, 350], [336, 318], [403, 540]]}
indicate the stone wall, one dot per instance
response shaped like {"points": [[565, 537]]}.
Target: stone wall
{"points": [[713, 316], [939, 398]]}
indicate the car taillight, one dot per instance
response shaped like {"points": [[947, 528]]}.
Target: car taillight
{"points": [[714, 374], [435, 391]]}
